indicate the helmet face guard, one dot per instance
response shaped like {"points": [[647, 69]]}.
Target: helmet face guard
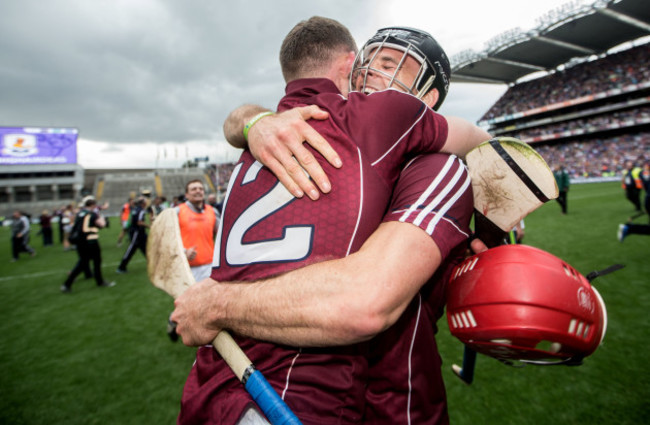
{"points": [[434, 70], [519, 303]]}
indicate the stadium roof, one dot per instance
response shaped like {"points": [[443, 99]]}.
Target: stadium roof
{"points": [[574, 30]]}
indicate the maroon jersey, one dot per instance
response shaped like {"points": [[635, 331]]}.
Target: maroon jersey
{"points": [[265, 231], [405, 383]]}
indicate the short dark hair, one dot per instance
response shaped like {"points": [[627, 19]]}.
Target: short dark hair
{"points": [[187, 185], [311, 45]]}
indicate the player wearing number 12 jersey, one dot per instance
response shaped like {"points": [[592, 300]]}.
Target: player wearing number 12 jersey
{"points": [[265, 231]]}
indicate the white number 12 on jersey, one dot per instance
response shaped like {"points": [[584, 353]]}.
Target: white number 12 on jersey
{"points": [[294, 245]]}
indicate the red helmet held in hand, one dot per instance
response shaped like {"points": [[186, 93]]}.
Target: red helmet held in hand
{"points": [[516, 302]]}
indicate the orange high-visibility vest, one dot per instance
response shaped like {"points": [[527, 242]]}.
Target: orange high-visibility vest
{"points": [[197, 230], [126, 209]]}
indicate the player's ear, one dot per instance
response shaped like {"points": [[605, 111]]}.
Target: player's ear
{"points": [[343, 70], [347, 62], [431, 97]]}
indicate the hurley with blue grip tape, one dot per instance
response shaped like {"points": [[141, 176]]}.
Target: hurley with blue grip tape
{"points": [[169, 270]]}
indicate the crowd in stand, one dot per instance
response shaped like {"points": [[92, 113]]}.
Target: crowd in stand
{"points": [[612, 72], [598, 157], [590, 124]]}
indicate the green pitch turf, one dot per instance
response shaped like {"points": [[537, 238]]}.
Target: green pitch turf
{"points": [[101, 355], [613, 385]]}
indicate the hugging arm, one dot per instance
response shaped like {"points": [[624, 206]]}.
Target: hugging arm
{"points": [[277, 142], [336, 302]]}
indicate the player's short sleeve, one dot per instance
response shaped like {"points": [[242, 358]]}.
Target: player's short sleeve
{"points": [[434, 192]]}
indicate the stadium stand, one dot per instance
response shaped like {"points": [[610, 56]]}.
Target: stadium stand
{"points": [[33, 188], [591, 117], [579, 86]]}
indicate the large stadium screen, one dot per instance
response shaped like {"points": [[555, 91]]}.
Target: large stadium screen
{"points": [[30, 145]]}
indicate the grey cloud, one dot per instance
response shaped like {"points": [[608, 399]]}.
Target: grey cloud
{"points": [[162, 71]]}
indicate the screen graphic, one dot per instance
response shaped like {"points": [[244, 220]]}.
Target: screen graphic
{"points": [[29, 145]]}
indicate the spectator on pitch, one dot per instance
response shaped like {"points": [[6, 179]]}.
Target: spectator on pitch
{"points": [[85, 234], [644, 179], [20, 235], [157, 206], [67, 218], [198, 222], [177, 200], [212, 201], [45, 221], [562, 180], [631, 228], [632, 184], [138, 229], [624, 230], [125, 213], [59, 216]]}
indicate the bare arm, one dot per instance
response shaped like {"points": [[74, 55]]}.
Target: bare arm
{"points": [[233, 127], [463, 136], [336, 302], [277, 142]]}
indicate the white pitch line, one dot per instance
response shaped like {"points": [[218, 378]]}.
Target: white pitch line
{"points": [[53, 272]]}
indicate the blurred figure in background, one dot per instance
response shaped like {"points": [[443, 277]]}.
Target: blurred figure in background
{"points": [[86, 227], [67, 218], [212, 201], [631, 228], [562, 180], [20, 236], [46, 227], [138, 231], [125, 213], [632, 184], [156, 207]]}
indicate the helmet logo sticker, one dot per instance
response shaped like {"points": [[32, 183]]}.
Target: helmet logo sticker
{"points": [[585, 300]]}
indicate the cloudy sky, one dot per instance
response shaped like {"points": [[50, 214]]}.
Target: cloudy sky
{"points": [[150, 82]]}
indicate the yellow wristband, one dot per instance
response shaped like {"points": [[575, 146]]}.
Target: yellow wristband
{"points": [[252, 122]]}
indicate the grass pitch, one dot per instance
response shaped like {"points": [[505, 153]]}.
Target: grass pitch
{"points": [[101, 355]]}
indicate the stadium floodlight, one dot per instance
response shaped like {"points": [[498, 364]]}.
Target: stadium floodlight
{"points": [[506, 39], [567, 11], [465, 57]]}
